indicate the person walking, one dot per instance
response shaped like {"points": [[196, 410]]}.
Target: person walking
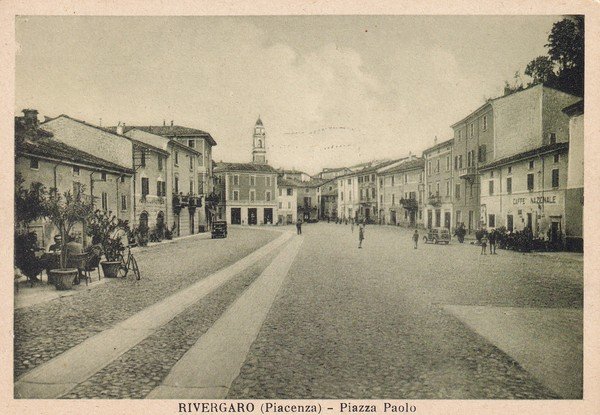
{"points": [[361, 234], [299, 226], [415, 238], [484, 240], [492, 240]]}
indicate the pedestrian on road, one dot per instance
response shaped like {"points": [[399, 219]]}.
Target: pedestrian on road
{"points": [[484, 240], [299, 226], [352, 225], [361, 234], [415, 238], [492, 240]]}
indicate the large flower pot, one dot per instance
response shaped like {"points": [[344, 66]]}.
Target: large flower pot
{"points": [[110, 268], [63, 278]]}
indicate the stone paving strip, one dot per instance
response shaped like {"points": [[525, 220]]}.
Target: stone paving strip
{"points": [[134, 374], [209, 368], [547, 342], [61, 374], [45, 330]]}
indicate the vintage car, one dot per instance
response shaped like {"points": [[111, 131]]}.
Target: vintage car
{"points": [[219, 229], [435, 235]]}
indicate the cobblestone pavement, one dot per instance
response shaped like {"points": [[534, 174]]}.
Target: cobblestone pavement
{"points": [[143, 367], [368, 323], [46, 330]]}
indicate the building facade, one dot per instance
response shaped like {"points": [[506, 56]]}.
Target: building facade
{"points": [[574, 197], [440, 187], [287, 201], [527, 190], [248, 193], [401, 193], [504, 126], [40, 158], [329, 200]]}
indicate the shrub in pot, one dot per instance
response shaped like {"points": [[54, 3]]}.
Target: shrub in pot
{"points": [[64, 211], [141, 234], [108, 231]]}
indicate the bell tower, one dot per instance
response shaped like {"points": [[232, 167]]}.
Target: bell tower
{"points": [[259, 146]]}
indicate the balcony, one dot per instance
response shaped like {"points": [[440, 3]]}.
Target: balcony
{"points": [[468, 173], [434, 200]]}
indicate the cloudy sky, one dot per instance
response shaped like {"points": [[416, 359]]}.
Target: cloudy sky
{"points": [[331, 91]]}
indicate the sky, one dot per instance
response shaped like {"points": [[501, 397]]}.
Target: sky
{"points": [[330, 90]]}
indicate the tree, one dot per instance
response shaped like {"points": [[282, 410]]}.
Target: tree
{"points": [[541, 70], [566, 48], [28, 202], [65, 211]]}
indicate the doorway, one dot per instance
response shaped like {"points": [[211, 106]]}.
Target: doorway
{"points": [[236, 216], [429, 219], [269, 216], [438, 218], [509, 223], [555, 231], [251, 216], [393, 217], [447, 219]]}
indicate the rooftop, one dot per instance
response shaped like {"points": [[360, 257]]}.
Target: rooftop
{"points": [[574, 109], [525, 155], [244, 167], [417, 163], [439, 145], [170, 131]]}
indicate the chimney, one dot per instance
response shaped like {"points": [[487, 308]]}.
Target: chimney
{"points": [[31, 118], [120, 128], [164, 123], [171, 123]]}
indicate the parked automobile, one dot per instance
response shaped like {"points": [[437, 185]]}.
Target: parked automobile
{"points": [[219, 229], [436, 235]]}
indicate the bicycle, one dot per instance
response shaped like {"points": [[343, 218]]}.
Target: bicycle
{"points": [[129, 264]]}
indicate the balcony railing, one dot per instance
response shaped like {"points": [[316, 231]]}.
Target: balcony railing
{"points": [[467, 173], [434, 200]]}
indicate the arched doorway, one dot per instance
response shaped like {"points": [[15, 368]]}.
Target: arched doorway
{"points": [[143, 229]]}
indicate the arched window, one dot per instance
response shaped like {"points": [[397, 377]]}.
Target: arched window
{"points": [[259, 143]]}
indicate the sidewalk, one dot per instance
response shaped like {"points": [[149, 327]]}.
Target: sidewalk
{"points": [[42, 291]]}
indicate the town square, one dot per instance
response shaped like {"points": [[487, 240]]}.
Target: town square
{"points": [[309, 207]]}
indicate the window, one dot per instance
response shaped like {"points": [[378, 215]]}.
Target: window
{"points": [[492, 174], [268, 181], [191, 162], [280, 205], [236, 180], [177, 158], [509, 223], [75, 170], [460, 161], [530, 179], [160, 162], [457, 191], [191, 143], [455, 162], [122, 179], [176, 185], [145, 186], [191, 186], [392, 180], [103, 176], [437, 189], [290, 191], [555, 181], [437, 165], [158, 188], [34, 164], [123, 202], [482, 156], [459, 134], [556, 158], [372, 177], [200, 160], [393, 199], [491, 187], [510, 170], [469, 159], [531, 164], [349, 181], [104, 198], [77, 188], [342, 196], [509, 185], [268, 196], [373, 193], [252, 180], [448, 164], [381, 199], [405, 178], [447, 187], [289, 205], [492, 220], [484, 122], [307, 190], [552, 138], [472, 127], [252, 196], [236, 195], [429, 167], [280, 191]]}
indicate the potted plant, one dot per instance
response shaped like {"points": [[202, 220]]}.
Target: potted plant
{"points": [[169, 232], [64, 212], [141, 234], [104, 230]]}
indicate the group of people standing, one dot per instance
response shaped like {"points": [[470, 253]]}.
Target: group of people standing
{"points": [[491, 238]]}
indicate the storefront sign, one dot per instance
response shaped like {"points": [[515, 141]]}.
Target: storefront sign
{"points": [[534, 200]]}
